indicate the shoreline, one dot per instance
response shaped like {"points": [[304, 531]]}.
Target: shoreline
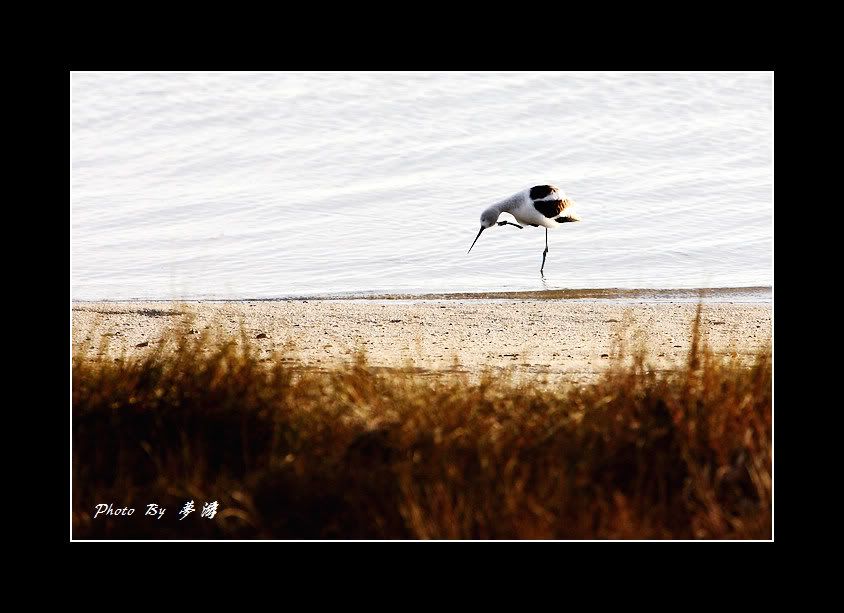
{"points": [[760, 294]]}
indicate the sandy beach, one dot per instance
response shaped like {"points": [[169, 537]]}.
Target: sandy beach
{"points": [[553, 339]]}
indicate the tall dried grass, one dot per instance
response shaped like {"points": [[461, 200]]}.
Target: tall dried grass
{"points": [[352, 453]]}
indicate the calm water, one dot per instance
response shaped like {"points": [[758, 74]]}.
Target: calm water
{"points": [[271, 185]]}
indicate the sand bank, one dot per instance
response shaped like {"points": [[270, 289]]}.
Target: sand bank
{"points": [[558, 339]]}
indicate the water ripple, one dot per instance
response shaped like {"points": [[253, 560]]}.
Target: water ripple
{"points": [[220, 185]]}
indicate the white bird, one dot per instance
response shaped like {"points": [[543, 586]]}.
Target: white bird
{"points": [[541, 205]]}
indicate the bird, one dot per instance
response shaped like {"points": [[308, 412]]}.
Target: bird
{"points": [[540, 205]]}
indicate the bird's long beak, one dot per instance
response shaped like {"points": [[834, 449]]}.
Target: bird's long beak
{"points": [[476, 238]]}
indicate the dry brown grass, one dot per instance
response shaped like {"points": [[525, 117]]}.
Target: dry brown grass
{"points": [[357, 453]]}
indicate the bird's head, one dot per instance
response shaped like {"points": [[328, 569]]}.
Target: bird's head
{"points": [[488, 219]]}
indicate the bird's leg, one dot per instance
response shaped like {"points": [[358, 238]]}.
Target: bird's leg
{"points": [[504, 223], [544, 253]]}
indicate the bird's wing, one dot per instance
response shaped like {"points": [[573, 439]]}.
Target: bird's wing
{"points": [[545, 192], [549, 200]]}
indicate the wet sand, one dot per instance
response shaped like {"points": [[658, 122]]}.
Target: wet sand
{"points": [[569, 340]]}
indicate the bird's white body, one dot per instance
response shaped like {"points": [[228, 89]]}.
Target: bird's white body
{"points": [[526, 215], [524, 207]]}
